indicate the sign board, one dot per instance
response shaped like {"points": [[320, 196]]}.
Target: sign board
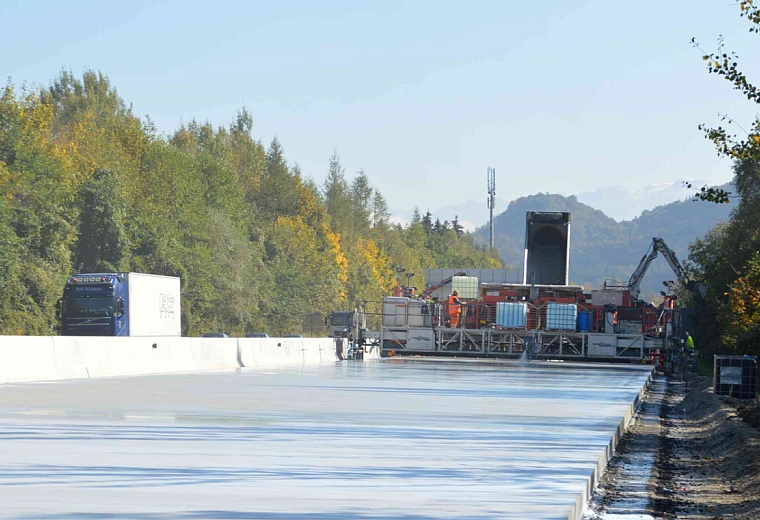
{"points": [[602, 345], [730, 375]]}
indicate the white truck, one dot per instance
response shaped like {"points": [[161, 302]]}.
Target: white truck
{"points": [[120, 304]]}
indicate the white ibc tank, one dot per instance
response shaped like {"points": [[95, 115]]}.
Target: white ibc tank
{"points": [[394, 311], [416, 316], [465, 286]]}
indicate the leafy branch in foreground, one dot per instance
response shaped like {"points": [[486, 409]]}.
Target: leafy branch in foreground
{"points": [[726, 64]]}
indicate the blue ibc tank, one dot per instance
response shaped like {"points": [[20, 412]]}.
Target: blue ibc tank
{"points": [[584, 321], [561, 316], [512, 315]]}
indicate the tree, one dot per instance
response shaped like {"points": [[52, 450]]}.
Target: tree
{"points": [[458, 229], [726, 64], [102, 243], [380, 213], [361, 202], [278, 194], [726, 258], [427, 222], [86, 185], [336, 196]]}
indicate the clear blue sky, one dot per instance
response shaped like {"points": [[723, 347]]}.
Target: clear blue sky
{"points": [[558, 96]]}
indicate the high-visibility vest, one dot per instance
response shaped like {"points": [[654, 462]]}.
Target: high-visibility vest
{"points": [[454, 305], [690, 343]]}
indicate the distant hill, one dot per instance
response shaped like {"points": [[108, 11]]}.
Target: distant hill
{"points": [[602, 248]]}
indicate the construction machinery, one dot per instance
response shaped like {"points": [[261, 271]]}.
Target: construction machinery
{"points": [[545, 317], [658, 246], [352, 337]]}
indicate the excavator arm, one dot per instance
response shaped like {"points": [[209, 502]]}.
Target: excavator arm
{"points": [[660, 247]]}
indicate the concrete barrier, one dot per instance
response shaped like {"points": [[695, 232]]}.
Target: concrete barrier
{"points": [[45, 358], [34, 358], [270, 352]]}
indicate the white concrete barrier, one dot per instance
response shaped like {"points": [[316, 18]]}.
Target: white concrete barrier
{"points": [[34, 358], [45, 358], [268, 352]]}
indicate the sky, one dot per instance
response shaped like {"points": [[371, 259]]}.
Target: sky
{"points": [[558, 96]]}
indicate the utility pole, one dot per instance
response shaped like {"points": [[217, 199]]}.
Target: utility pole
{"points": [[491, 199]]}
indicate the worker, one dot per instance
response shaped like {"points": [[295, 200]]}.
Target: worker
{"points": [[455, 309], [689, 342]]}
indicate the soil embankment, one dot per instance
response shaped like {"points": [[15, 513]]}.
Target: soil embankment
{"points": [[709, 459]]}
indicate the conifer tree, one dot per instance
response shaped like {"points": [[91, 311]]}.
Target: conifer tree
{"points": [[336, 196]]}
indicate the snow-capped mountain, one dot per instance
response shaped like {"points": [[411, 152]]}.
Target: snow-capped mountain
{"points": [[621, 203]]}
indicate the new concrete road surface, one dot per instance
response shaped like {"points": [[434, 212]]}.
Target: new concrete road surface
{"points": [[376, 440]]}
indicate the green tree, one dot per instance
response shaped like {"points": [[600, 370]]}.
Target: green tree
{"points": [[257, 246], [380, 213], [278, 194], [102, 244], [726, 259], [361, 203]]}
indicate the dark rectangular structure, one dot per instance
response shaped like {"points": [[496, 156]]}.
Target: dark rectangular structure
{"points": [[735, 376], [547, 248]]}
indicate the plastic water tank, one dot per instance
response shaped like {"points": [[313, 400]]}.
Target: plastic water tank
{"points": [[394, 311], [466, 286], [511, 315], [561, 316]]}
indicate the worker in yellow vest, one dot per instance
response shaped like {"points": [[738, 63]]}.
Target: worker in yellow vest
{"points": [[455, 309], [689, 342]]}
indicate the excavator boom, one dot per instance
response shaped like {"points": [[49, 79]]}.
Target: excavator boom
{"points": [[660, 247]]}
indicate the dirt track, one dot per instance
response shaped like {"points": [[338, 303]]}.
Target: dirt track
{"points": [[706, 459]]}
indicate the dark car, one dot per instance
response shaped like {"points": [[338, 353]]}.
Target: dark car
{"points": [[257, 335], [214, 335], [292, 336]]}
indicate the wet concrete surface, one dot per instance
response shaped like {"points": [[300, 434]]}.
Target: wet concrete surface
{"points": [[386, 439]]}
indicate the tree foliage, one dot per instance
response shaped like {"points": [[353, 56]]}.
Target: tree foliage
{"points": [[727, 257], [86, 185]]}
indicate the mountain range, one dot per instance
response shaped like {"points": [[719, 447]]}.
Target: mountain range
{"points": [[602, 248], [621, 203], [617, 202]]}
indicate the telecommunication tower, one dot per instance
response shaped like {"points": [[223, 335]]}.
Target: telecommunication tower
{"points": [[491, 199]]}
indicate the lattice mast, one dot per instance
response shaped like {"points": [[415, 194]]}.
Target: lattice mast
{"points": [[491, 201]]}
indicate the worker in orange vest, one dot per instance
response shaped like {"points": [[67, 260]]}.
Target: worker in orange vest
{"points": [[455, 309]]}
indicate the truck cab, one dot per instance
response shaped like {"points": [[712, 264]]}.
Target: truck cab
{"points": [[339, 324], [93, 305]]}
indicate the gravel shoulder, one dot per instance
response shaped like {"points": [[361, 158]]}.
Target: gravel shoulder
{"points": [[705, 453]]}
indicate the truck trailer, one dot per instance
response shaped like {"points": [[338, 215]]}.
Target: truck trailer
{"points": [[120, 304]]}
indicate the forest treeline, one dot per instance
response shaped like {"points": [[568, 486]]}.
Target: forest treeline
{"points": [[86, 186]]}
